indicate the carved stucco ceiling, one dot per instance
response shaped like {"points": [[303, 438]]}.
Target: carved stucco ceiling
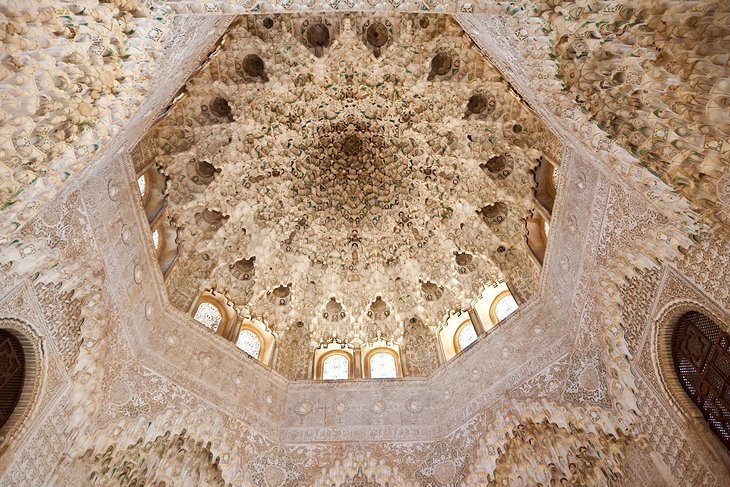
{"points": [[348, 172]]}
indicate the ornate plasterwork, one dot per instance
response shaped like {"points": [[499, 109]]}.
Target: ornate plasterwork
{"points": [[520, 46], [144, 369], [338, 191], [78, 83], [70, 77], [295, 6], [46, 380], [132, 402], [654, 76]]}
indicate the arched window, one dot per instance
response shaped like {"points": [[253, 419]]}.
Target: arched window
{"points": [[336, 366], [249, 342], [156, 239], [142, 183], [546, 189], [504, 306], [12, 374], [151, 184], [701, 353], [383, 366], [465, 336], [209, 315], [537, 235]]}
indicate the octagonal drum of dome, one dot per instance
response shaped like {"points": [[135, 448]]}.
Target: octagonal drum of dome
{"points": [[339, 177]]}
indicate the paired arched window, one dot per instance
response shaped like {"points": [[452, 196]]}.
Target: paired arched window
{"points": [[701, 354], [538, 224], [209, 314], [464, 328], [250, 342], [465, 335], [337, 361], [336, 366], [12, 374], [503, 306], [151, 184], [215, 311]]}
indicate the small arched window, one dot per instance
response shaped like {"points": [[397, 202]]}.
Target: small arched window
{"points": [[142, 183], [465, 336], [12, 374], [701, 353], [249, 342], [209, 315], [336, 366], [537, 235], [382, 364], [546, 189], [504, 306], [156, 239]]}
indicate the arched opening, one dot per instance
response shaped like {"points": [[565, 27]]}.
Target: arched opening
{"points": [[334, 362], [250, 342], [546, 189], [151, 184], [701, 355], [336, 366], [163, 234], [12, 374], [502, 306], [382, 362], [465, 336], [537, 235], [142, 184], [254, 338], [210, 314], [382, 366]]}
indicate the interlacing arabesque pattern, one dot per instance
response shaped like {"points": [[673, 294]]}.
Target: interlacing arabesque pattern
{"points": [[541, 441]]}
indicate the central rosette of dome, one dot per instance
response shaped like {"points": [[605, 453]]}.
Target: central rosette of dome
{"points": [[351, 145], [351, 170]]}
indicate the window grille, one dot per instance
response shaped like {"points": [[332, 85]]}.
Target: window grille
{"points": [[12, 374], [701, 352]]}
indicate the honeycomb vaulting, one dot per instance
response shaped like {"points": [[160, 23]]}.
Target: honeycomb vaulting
{"points": [[361, 174], [349, 173]]}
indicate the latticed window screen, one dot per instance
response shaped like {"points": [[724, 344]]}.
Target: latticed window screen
{"points": [[208, 315], [336, 367], [467, 336], [249, 342], [701, 352], [382, 366], [12, 374]]}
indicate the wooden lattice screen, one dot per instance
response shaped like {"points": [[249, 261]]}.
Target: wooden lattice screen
{"points": [[12, 374], [701, 352]]}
